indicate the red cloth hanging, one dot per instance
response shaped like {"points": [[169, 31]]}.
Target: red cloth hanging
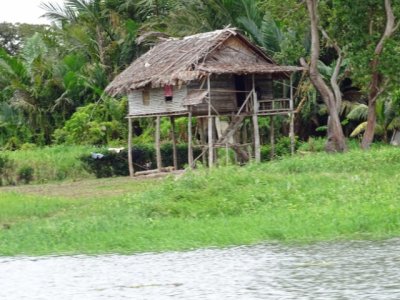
{"points": [[168, 92]]}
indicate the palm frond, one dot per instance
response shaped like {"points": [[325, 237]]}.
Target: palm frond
{"points": [[359, 112], [58, 13], [326, 71], [359, 129]]}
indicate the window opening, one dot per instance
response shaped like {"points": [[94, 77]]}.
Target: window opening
{"points": [[168, 92], [146, 97]]}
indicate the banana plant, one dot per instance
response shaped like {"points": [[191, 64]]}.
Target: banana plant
{"points": [[387, 112]]}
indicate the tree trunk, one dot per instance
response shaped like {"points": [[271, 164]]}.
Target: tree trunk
{"points": [[385, 134], [336, 140], [376, 78]]}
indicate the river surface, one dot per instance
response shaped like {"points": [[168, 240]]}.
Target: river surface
{"points": [[348, 270]]}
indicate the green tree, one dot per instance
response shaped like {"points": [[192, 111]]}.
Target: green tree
{"points": [[367, 29]]}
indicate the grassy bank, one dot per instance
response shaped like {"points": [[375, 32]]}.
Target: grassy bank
{"points": [[298, 199], [51, 163]]}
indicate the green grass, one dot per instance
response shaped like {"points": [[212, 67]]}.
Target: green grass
{"points": [[52, 163], [298, 199]]}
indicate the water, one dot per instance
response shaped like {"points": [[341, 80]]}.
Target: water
{"points": [[348, 270]]}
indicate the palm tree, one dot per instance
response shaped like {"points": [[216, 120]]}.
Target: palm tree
{"points": [[387, 112], [31, 85], [101, 29]]}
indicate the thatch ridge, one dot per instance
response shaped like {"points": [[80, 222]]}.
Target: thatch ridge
{"points": [[177, 61]]}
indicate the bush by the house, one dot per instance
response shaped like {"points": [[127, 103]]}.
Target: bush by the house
{"points": [[108, 164]]}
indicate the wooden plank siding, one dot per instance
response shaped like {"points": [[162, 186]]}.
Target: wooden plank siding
{"points": [[264, 87], [144, 102], [223, 97], [157, 103]]}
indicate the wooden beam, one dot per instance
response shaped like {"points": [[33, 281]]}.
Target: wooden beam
{"points": [[156, 171], [203, 138], [291, 116], [190, 139], [158, 146], [130, 160], [226, 154], [272, 136], [257, 146], [210, 127], [173, 136]]}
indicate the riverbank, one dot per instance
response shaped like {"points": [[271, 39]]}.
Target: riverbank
{"points": [[47, 164], [297, 199]]}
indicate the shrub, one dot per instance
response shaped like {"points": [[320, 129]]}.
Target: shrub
{"points": [[182, 154], [6, 168], [282, 148], [50, 163], [313, 145], [25, 174], [94, 124], [108, 164]]}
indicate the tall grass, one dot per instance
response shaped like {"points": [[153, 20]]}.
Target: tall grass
{"points": [[297, 199], [52, 163]]}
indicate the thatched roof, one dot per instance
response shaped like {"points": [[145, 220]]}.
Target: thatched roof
{"points": [[177, 61]]}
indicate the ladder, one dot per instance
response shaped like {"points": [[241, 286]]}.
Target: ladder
{"points": [[231, 129]]}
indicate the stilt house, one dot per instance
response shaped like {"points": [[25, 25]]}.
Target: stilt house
{"points": [[207, 75]]}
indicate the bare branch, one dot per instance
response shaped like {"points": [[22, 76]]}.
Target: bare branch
{"points": [[334, 78], [396, 27], [304, 64], [333, 42]]}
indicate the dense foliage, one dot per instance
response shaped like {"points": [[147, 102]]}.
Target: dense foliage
{"points": [[52, 78]]}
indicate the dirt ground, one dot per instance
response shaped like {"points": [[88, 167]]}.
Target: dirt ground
{"points": [[90, 188]]}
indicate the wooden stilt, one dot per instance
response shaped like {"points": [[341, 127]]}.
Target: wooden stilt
{"points": [[210, 127], [190, 139], [236, 140], [272, 136], [174, 151], [210, 143], [257, 146], [158, 146], [203, 138], [226, 154], [130, 160], [214, 138], [292, 137]]}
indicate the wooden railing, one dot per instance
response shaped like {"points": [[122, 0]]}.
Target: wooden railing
{"points": [[274, 106]]}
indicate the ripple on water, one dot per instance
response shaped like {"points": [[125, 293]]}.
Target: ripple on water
{"points": [[348, 270]]}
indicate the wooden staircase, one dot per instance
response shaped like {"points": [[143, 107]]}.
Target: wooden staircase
{"points": [[229, 132], [231, 129]]}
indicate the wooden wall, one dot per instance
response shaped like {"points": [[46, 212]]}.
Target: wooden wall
{"points": [[157, 103], [264, 86], [223, 97]]}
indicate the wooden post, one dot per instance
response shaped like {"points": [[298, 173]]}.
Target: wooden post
{"points": [[291, 115], [190, 139], [272, 136], [226, 154], [257, 147], [203, 139], [174, 151], [130, 160], [237, 140], [158, 146], [210, 127]]}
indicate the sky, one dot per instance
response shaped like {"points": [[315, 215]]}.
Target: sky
{"points": [[23, 11]]}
